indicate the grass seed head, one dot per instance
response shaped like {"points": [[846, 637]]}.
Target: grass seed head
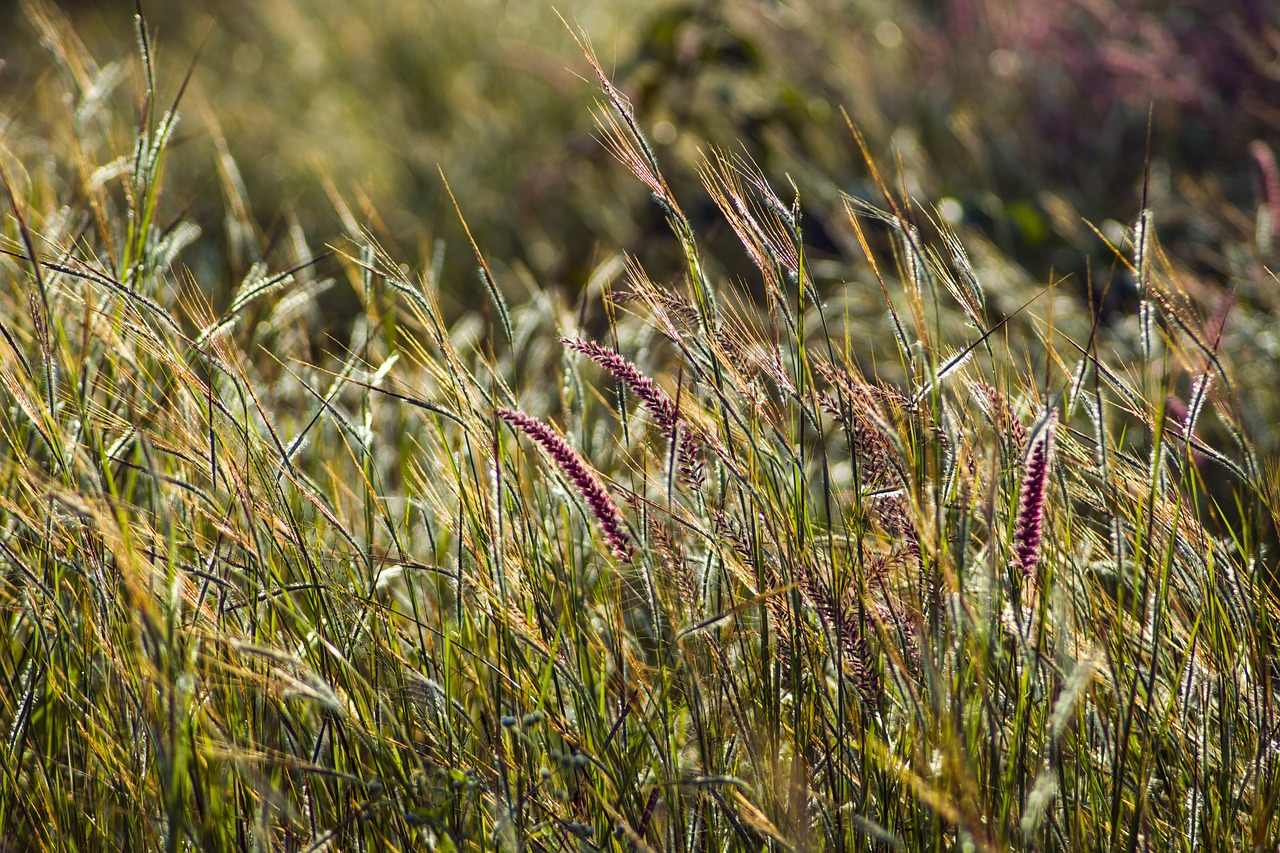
{"points": [[1029, 529], [583, 478]]}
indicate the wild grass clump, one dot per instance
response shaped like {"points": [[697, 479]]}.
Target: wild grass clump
{"points": [[921, 557]]}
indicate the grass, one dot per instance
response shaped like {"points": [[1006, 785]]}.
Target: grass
{"points": [[916, 555]]}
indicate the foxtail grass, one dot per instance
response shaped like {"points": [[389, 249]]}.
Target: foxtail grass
{"points": [[950, 577]]}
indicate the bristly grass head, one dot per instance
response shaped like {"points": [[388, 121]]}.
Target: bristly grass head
{"points": [[583, 478], [664, 410], [1028, 532]]}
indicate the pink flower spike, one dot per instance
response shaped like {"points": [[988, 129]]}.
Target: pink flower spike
{"points": [[588, 484], [1029, 530], [660, 406]]}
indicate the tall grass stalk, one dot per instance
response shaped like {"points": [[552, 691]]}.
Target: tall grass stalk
{"points": [[256, 595]]}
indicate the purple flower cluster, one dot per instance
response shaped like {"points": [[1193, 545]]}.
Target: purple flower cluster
{"points": [[601, 505]]}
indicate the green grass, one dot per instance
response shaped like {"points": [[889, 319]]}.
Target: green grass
{"points": [[901, 549]]}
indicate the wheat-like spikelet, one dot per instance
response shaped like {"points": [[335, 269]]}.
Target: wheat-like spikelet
{"points": [[996, 406], [839, 615], [587, 483], [677, 576]]}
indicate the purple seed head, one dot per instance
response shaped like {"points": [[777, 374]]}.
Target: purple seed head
{"points": [[1029, 530], [654, 399], [583, 478]]}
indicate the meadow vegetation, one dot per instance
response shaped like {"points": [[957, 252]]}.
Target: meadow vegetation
{"points": [[880, 501]]}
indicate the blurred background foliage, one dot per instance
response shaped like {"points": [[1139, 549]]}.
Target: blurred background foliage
{"points": [[1024, 120]]}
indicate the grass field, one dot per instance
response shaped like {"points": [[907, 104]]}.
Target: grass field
{"points": [[744, 437]]}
